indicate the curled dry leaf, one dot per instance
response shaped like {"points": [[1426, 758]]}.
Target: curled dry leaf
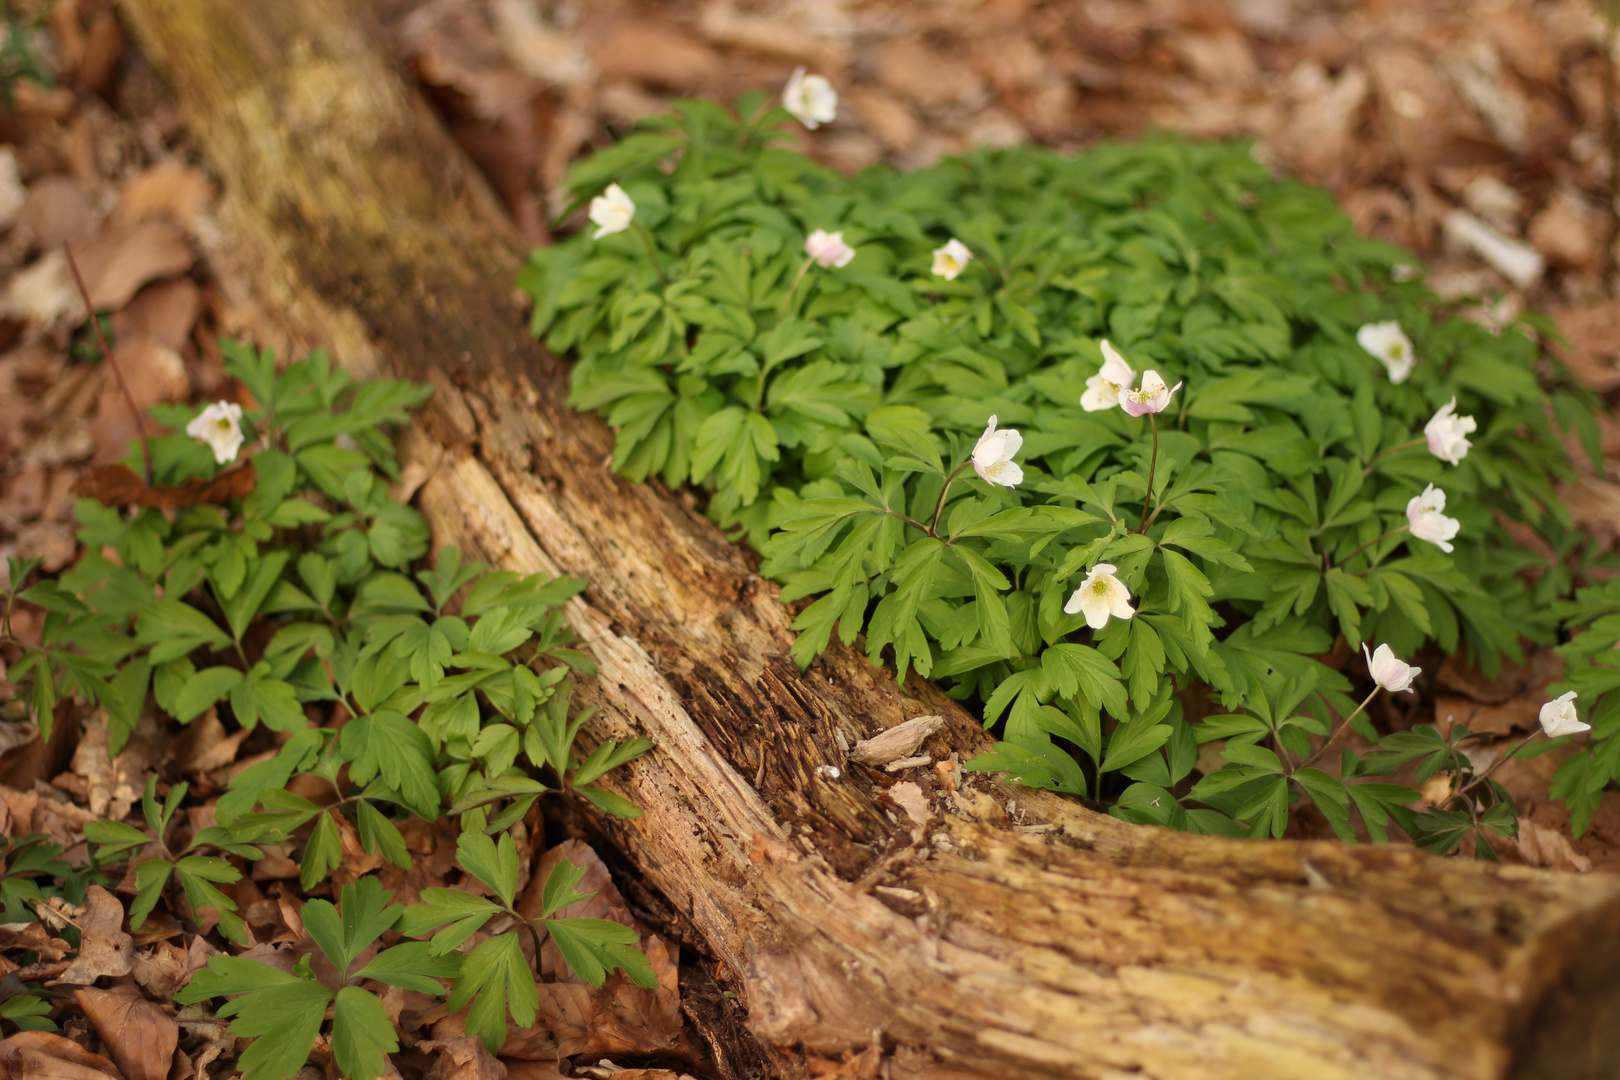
{"points": [[461, 1058], [117, 485], [117, 263], [139, 1035], [41, 1055], [104, 948], [163, 971], [1549, 848]]}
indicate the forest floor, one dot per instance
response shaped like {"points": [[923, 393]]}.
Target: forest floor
{"points": [[1470, 132]]}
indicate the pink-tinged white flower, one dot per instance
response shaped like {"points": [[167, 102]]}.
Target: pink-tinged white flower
{"points": [[220, 426], [1448, 433], [1151, 397], [828, 249], [611, 212], [951, 259], [993, 456], [810, 98], [1388, 342], [1424, 518], [1392, 674], [1103, 389], [1099, 596], [1558, 717]]}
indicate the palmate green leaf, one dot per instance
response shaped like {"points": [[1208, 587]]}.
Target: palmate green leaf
{"points": [[389, 745], [593, 947], [28, 1012], [412, 966], [497, 979], [496, 865], [1072, 669], [281, 1012], [197, 875], [460, 914], [174, 629]]}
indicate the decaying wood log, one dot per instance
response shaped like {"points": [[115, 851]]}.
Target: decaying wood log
{"points": [[843, 910]]}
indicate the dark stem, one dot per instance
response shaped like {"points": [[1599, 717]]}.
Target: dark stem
{"points": [[1371, 543], [1341, 730], [106, 353], [939, 506], [1497, 764], [1153, 465]]}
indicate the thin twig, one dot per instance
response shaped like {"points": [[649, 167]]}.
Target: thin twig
{"points": [[106, 354]]}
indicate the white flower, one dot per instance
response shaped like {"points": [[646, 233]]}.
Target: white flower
{"points": [[828, 249], [1102, 389], [992, 457], [951, 259], [1448, 433], [1390, 344], [810, 98], [1099, 596], [220, 426], [1388, 672], [1424, 518], [1151, 397], [612, 210], [1558, 717]]}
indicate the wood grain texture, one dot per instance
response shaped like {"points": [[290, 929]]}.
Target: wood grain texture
{"points": [[967, 945]]}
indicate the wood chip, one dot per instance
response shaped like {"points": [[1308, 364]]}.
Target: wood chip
{"points": [[898, 742]]}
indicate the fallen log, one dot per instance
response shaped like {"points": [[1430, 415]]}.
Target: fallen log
{"points": [[979, 933]]}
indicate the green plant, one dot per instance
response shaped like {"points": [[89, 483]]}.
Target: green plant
{"points": [[1592, 670], [283, 1011], [1273, 503], [496, 979], [199, 875], [290, 592], [31, 872]]}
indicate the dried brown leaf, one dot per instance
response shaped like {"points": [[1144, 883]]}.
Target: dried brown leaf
{"points": [[104, 947], [41, 1055], [139, 1035], [461, 1058], [166, 190], [117, 485], [119, 261], [162, 971]]}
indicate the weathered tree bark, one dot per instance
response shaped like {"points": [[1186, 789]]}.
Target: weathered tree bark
{"points": [[969, 946]]}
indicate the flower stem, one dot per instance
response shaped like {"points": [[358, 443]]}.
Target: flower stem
{"points": [[788, 299], [106, 353], [939, 506], [1341, 730], [1374, 543], [652, 250], [1153, 465], [1497, 764], [1382, 454]]}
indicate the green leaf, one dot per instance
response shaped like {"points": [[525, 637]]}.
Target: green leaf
{"points": [[592, 947], [378, 833], [495, 865], [413, 965], [362, 1034], [280, 1012], [460, 914], [322, 851], [1073, 669], [388, 744], [559, 891], [202, 690], [174, 629], [495, 979]]}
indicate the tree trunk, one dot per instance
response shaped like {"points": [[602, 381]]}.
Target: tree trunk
{"points": [[1067, 945]]}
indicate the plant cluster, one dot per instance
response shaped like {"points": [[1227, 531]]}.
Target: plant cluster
{"points": [[827, 356], [290, 593]]}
